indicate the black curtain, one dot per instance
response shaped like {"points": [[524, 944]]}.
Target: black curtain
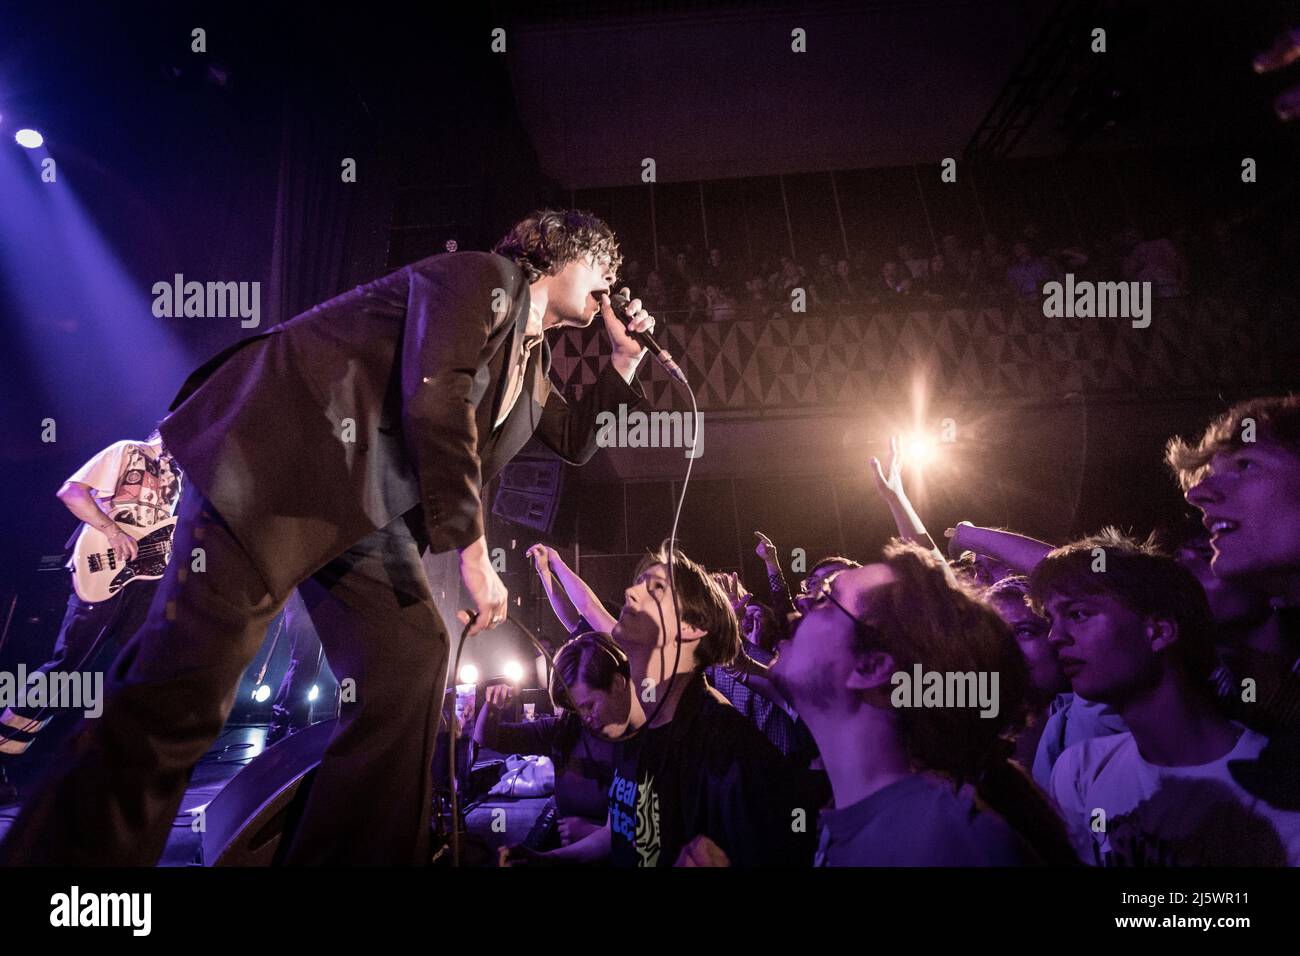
{"points": [[315, 210]]}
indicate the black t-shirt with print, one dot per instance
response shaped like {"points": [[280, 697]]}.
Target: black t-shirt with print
{"points": [[708, 771]]}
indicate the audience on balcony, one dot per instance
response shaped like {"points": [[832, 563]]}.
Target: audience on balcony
{"points": [[1220, 260]]}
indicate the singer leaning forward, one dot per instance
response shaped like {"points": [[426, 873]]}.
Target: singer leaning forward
{"points": [[278, 501]]}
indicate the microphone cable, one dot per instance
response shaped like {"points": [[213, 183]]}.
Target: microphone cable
{"points": [[672, 548], [550, 661]]}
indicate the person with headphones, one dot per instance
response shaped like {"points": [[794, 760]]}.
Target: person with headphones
{"points": [[697, 784], [591, 688]]}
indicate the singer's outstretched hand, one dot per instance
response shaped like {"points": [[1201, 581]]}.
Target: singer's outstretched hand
{"points": [[627, 350]]}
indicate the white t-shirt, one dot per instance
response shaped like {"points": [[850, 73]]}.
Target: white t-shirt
{"points": [[1070, 720], [134, 484], [1169, 816]]}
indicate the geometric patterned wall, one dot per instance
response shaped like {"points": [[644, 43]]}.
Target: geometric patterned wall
{"points": [[1008, 352]]}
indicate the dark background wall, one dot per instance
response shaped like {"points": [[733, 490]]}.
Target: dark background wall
{"points": [[221, 166], [225, 166]]}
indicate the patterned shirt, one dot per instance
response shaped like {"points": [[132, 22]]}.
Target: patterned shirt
{"points": [[134, 484], [776, 725]]}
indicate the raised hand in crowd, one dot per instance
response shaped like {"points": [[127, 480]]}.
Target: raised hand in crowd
{"points": [[737, 594], [889, 485]]}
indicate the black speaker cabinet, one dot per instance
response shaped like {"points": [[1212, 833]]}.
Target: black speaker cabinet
{"points": [[529, 493], [246, 823]]}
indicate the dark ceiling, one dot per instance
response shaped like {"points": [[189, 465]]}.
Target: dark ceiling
{"points": [[716, 92], [707, 90]]}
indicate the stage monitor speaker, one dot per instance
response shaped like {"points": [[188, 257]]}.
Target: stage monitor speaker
{"points": [[246, 823], [529, 493]]}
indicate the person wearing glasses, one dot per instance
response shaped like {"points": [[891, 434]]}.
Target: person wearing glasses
{"points": [[811, 586], [913, 786], [751, 670]]}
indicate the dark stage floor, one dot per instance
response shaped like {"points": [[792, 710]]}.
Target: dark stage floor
{"points": [[240, 744]]}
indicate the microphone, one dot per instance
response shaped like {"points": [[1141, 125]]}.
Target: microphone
{"points": [[619, 303]]}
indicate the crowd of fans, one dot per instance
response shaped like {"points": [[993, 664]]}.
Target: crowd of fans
{"points": [[1144, 707], [712, 285]]}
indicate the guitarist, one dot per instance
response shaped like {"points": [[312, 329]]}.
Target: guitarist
{"points": [[129, 483], [327, 454]]}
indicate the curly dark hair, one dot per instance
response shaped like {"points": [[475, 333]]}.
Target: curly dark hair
{"points": [[547, 240], [928, 616]]}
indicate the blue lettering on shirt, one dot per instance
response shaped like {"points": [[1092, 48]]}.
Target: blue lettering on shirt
{"points": [[622, 807]]}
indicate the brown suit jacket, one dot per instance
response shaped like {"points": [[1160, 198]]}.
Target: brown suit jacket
{"points": [[311, 435]]}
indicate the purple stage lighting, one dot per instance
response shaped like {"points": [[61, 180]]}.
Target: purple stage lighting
{"points": [[29, 138]]}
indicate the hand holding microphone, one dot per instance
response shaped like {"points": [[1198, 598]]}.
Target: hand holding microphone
{"points": [[628, 323]]}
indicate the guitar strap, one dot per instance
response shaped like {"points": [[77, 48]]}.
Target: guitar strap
{"points": [[72, 539]]}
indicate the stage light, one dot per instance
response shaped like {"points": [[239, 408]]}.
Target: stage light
{"points": [[29, 138], [262, 693], [514, 671], [919, 449], [314, 692], [468, 674]]}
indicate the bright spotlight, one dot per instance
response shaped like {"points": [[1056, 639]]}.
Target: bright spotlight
{"points": [[314, 692], [29, 138], [262, 693], [468, 674], [919, 449], [514, 671]]}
